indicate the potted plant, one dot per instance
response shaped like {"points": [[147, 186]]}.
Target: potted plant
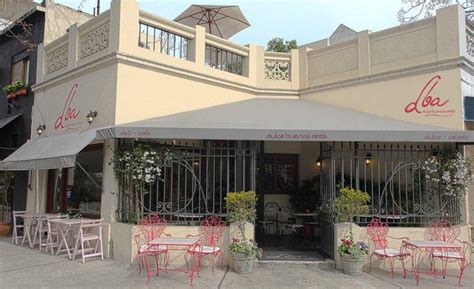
{"points": [[241, 210], [15, 89], [349, 203], [7, 179]]}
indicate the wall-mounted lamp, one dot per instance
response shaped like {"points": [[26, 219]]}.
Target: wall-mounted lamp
{"points": [[91, 116], [196, 163], [319, 162], [173, 142], [40, 129], [368, 159]]}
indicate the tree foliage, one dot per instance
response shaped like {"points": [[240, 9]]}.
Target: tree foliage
{"points": [[278, 44], [413, 10]]}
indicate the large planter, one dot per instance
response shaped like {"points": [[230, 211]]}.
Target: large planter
{"points": [[4, 229], [242, 264], [351, 265]]}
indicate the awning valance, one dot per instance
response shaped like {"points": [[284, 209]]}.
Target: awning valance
{"points": [[283, 120], [53, 152]]}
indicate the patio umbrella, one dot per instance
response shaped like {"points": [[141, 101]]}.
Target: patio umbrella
{"points": [[222, 21]]}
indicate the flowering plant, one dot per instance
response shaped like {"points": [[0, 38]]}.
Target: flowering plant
{"points": [[354, 249], [246, 248], [15, 86], [451, 171]]}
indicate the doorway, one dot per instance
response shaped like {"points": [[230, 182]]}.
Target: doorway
{"points": [[284, 230]]}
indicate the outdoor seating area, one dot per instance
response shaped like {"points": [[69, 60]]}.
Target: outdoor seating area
{"points": [[153, 242], [57, 234], [428, 256]]}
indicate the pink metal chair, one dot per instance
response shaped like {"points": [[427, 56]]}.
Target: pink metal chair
{"points": [[443, 231], [89, 231], [144, 250], [150, 228], [17, 226], [210, 233], [378, 234]]}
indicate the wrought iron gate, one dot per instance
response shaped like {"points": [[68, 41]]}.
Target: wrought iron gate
{"points": [[195, 184]]}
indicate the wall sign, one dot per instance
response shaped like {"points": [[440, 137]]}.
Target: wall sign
{"points": [[68, 119], [428, 103]]}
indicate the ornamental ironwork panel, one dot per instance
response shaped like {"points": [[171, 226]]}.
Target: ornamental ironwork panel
{"points": [[194, 184], [94, 41], [400, 193], [277, 70]]}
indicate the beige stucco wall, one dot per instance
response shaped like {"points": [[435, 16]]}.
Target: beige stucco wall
{"points": [[389, 98], [96, 90], [360, 233], [124, 247]]}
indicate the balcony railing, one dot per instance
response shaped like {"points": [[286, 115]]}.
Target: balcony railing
{"points": [[277, 66], [165, 42], [223, 59]]}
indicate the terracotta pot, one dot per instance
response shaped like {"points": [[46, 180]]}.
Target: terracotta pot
{"points": [[11, 95], [21, 91], [4, 229]]}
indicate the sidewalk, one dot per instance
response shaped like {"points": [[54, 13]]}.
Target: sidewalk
{"points": [[21, 267]]}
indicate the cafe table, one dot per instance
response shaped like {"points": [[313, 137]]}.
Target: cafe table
{"points": [[66, 227], [418, 248], [174, 244]]}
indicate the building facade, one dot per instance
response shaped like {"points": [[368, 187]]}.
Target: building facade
{"points": [[18, 58], [345, 111]]}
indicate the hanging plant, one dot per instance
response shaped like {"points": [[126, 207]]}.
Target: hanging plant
{"points": [[138, 167], [451, 171]]}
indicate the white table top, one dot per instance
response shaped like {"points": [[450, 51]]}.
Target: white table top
{"points": [[305, 214], [70, 222], [174, 241], [431, 244]]}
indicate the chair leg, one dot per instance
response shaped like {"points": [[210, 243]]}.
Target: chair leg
{"points": [[82, 251], [391, 265], [402, 260], [370, 262], [462, 267]]}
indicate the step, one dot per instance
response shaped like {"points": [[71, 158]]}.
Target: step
{"points": [[320, 264]]}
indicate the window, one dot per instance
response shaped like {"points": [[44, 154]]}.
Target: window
{"points": [[20, 70], [280, 173], [78, 190], [223, 60]]}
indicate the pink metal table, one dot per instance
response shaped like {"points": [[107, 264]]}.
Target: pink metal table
{"points": [[419, 247], [174, 244]]}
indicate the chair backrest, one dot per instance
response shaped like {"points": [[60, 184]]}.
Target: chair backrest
{"points": [[16, 215], [98, 223], [285, 213], [211, 231], [151, 227], [270, 210], [378, 232], [443, 231]]}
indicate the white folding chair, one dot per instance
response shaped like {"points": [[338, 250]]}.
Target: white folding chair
{"points": [[41, 231], [16, 226], [89, 231], [29, 223], [53, 238]]}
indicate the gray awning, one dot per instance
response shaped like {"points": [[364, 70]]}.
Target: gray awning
{"points": [[283, 120], [6, 120], [54, 152]]}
